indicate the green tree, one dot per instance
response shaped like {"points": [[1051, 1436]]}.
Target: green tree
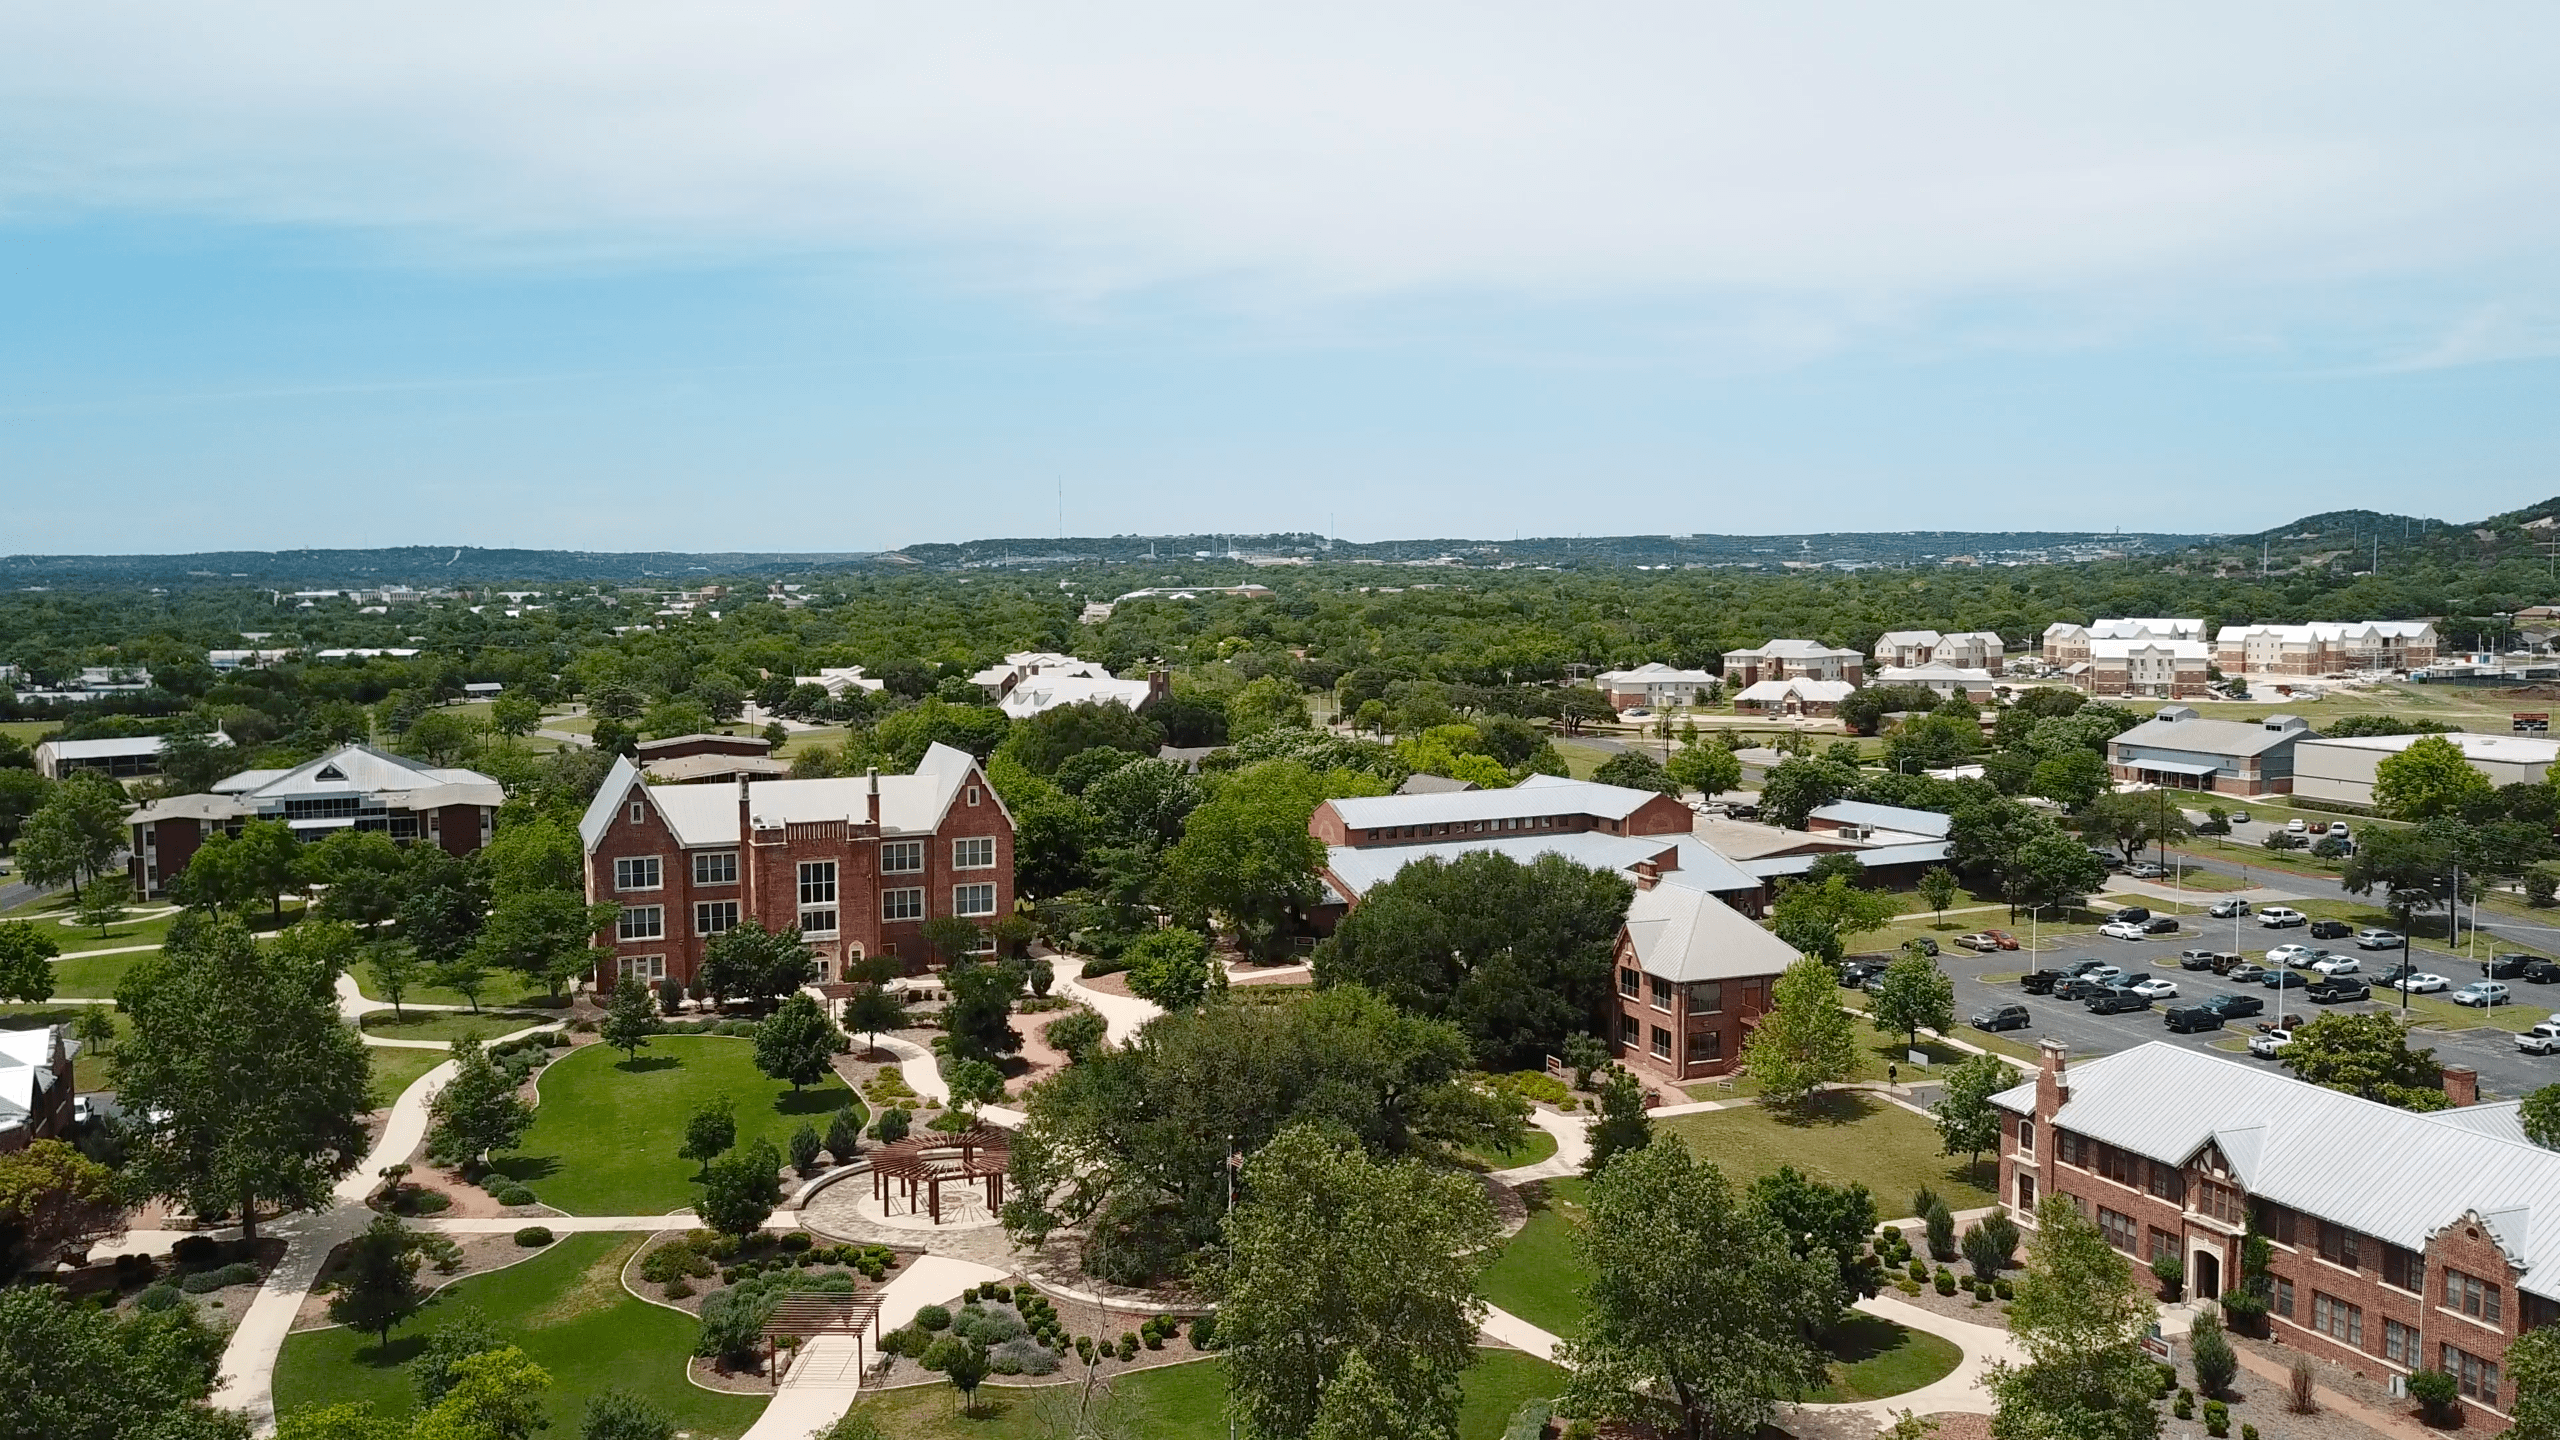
{"points": [[2216, 1363], [1621, 1123], [953, 938], [1915, 995], [76, 833], [2541, 1115], [1518, 956], [2073, 778], [1968, 1123], [709, 1132], [253, 1084], [77, 1372], [365, 874], [978, 1019], [1818, 917], [1246, 856], [1636, 770], [105, 903], [395, 970], [844, 1134], [547, 935], [754, 963], [875, 1008], [797, 1042], [1173, 968], [378, 1288], [2533, 1367], [630, 1019], [1938, 886], [1806, 1040], [2131, 820], [1708, 769], [2080, 1318], [1697, 1305], [1829, 1223], [1335, 1253], [22, 794], [1270, 703], [1796, 788], [2431, 778], [1358, 1406], [617, 1414], [2367, 1056], [496, 1395], [54, 1201], [740, 1189], [26, 962], [478, 1112], [441, 906], [515, 716]]}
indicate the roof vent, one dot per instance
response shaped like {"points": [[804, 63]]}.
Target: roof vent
{"points": [[2283, 723], [2174, 712]]}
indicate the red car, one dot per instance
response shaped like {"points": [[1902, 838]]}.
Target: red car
{"points": [[1988, 940]]}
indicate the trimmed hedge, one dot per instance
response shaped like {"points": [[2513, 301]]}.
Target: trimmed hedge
{"points": [[534, 1237], [236, 1273]]}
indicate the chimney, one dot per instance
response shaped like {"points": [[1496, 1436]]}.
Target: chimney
{"points": [[2462, 1085], [871, 792], [2053, 1077], [746, 826], [1647, 873]]}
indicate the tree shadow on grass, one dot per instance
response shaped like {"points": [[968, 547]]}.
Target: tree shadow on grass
{"points": [[525, 1169], [401, 1350], [1828, 1107], [1861, 1337], [646, 1063], [817, 1100]]}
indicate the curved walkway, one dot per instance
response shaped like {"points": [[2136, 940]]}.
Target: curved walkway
{"points": [[917, 1067], [824, 1380], [354, 1005], [1573, 1148], [1122, 1015]]}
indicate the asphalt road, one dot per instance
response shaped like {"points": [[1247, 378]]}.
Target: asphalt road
{"points": [[2504, 1070]]}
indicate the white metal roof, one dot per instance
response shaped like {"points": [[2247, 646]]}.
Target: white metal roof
{"points": [[1698, 867], [1917, 853], [1655, 672], [708, 814], [2395, 1174], [2511, 749], [1044, 691], [1776, 691], [1533, 798], [1885, 817], [1797, 650], [1682, 934]]}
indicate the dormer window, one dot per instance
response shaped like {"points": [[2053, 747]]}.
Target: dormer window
{"points": [[639, 809], [330, 772]]}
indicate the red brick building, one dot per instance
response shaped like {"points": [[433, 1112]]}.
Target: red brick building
{"points": [[354, 787], [35, 1085], [1694, 976], [2401, 1241], [858, 863], [1545, 804]]}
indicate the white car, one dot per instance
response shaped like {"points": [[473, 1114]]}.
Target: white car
{"points": [[2483, 993], [2284, 955], [2422, 983], [2296, 827], [2543, 1039], [2155, 989], [2277, 916], [2122, 930], [2336, 965], [2265, 1046]]}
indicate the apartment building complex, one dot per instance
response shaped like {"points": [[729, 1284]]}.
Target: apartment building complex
{"points": [[856, 863], [2066, 644], [2325, 647], [1654, 684], [2400, 1241], [1963, 650], [1793, 660]]}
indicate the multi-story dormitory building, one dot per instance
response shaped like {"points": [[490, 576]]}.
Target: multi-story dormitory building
{"points": [[2401, 1241], [858, 863]]}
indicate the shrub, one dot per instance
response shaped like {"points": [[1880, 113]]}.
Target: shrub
{"points": [[2248, 1431], [1153, 1337], [1919, 1270], [679, 1288], [162, 1296], [793, 1243], [195, 1250], [1026, 1357], [2434, 1390], [892, 1125], [1204, 1331], [1128, 1345], [933, 1318], [669, 1263], [2216, 1363], [2217, 1418], [205, 1281], [1084, 1343], [2184, 1407], [534, 1237], [514, 1195], [1907, 1285], [2002, 1289], [1942, 1232], [2171, 1272], [1946, 1282], [806, 1143]]}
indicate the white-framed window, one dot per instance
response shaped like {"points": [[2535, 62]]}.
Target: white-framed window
{"points": [[817, 897], [902, 857], [639, 809], [715, 867], [973, 899], [902, 904], [641, 967], [2026, 1136], [974, 852], [973, 794], [715, 917], [638, 872], [642, 922]]}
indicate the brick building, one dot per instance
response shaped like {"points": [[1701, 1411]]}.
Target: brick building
{"points": [[858, 863], [35, 1085], [2400, 1241], [354, 787], [2179, 750], [2325, 647], [1793, 660], [1694, 975]]}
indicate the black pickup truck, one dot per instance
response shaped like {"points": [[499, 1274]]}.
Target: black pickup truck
{"points": [[2117, 1002], [2334, 988]]}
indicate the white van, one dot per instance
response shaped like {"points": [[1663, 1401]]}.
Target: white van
{"points": [[2277, 917]]}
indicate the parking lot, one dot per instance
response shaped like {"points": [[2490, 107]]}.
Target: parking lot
{"points": [[2504, 1071]]}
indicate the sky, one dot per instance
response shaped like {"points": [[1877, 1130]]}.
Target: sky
{"points": [[846, 276]]}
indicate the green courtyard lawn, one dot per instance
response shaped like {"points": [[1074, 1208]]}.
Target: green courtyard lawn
{"points": [[451, 1025], [89, 1069], [1183, 1402], [1877, 1049], [90, 976], [1538, 1277], [1849, 1137], [568, 1311], [1534, 1146], [504, 988], [604, 1137], [1875, 1358], [29, 731], [395, 1069], [1581, 757]]}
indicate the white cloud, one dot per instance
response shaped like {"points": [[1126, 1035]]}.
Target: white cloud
{"points": [[1865, 156]]}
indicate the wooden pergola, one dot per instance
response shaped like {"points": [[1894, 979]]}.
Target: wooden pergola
{"points": [[806, 1314], [917, 1166]]}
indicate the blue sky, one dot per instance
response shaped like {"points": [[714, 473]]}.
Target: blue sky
{"points": [[668, 275]]}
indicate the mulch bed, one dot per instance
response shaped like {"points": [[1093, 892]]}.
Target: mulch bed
{"points": [[1959, 1306], [2261, 1399], [480, 1255]]}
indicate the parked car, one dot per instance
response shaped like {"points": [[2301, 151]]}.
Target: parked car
{"points": [[2380, 939], [2136, 913], [2005, 940], [1924, 945], [2419, 982], [2227, 909], [2002, 1017], [2101, 972], [2146, 871], [1855, 973], [2154, 989], [2510, 965], [2284, 980], [2338, 828], [2483, 993], [2331, 929], [2161, 925], [2041, 982], [2296, 827], [2188, 1019], [2082, 990], [2239, 817], [2310, 959], [2205, 959], [2542, 972], [1985, 941], [2248, 972], [2334, 989], [2542, 1039], [2277, 917], [2265, 1046], [2122, 930], [2338, 965], [2117, 1002], [2287, 954], [2127, 982], [2235, 1007]]}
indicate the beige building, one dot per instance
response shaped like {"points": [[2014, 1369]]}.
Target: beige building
{"points": [[1964, 650], [2342, 769], [1793, 660], [2066, 644], [2325, 647]]}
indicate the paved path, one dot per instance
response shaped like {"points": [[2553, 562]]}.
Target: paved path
{"points": [[822, 1383], [353, 1006], [916, 1065], [1573, 1148], [1122, 1015]]}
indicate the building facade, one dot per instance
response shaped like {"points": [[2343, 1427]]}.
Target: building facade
{"points": [[35, 1085], [857, 863], [1817, 698], [354, 787], [1793, 660], [2325, 647], [2342, 768], [2178, 751], [2066, 644], [2399, 1241], [1693, 976], [1653, 684], [1965, 649]]}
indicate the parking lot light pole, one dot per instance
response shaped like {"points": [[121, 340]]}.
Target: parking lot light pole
{"points": [[2405, 973]]}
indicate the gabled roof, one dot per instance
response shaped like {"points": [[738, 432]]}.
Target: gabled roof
{"points": [[2210, 737], [1537, 796], [363, 770], [1797, 650], [1885, 817], [1917, 853], [1682, 935], [2395, 1174], [1036, 693], [708, 814], [1360, 868], [1774, 691], [1654, 671]]}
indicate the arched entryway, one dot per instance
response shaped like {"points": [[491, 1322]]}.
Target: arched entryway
{"points": [[2208, 1275]]}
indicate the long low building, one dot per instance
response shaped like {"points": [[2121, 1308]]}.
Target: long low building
{"points": [[2341, 769], [354, 787], [2178, 750]]}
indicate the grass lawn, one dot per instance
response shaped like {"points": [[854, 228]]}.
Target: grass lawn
{"points": [[828, 735], [29, 731], [568, 1311], [2434, 1012], [452, 1025], [1183, 1402], [504, 988], [89, 1068], [394, 1070], [90, 976], [1537, 1277], [1876, 1050], [1580, 757], [1850, 1138], [604, 1137], [1535, 1146], [1876, 1358]]}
